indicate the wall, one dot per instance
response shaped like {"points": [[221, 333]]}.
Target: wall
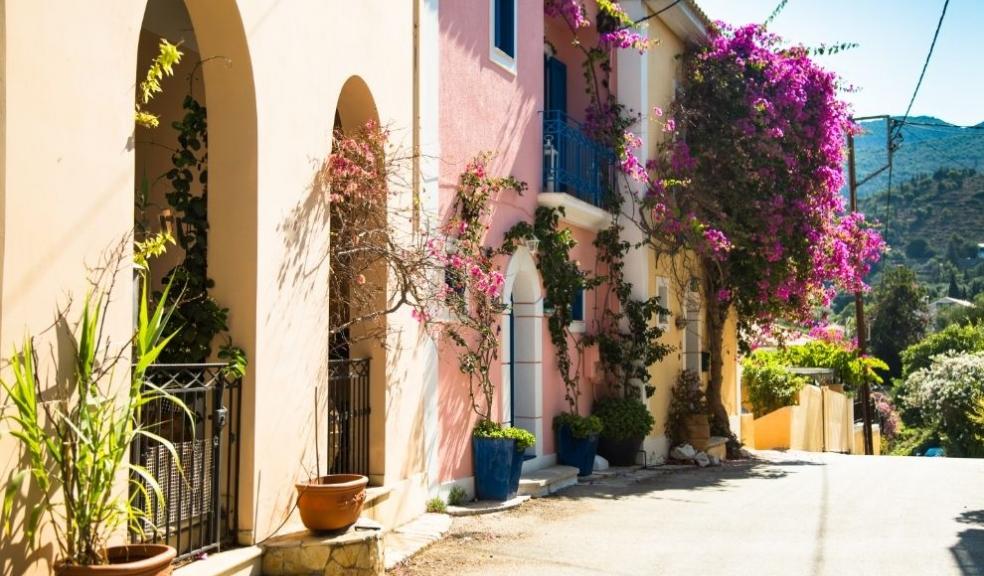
{"points": [[484, 107], [68, 196], [822, 420]]}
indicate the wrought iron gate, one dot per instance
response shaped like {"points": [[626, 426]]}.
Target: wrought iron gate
{"points": [[201, 487], [348, 416]]}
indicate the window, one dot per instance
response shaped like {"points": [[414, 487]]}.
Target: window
{"points": [[663, 294], [577, 306], [502, 33]]}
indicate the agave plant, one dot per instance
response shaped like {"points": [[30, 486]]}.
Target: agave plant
{"points": [[76, 432]]}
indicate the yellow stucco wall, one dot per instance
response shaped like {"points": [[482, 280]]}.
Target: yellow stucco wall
{"points": [[822, 420], [68, 183]]}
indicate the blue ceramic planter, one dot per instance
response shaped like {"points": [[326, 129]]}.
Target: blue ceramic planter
{"points": [[493, 459], [518, 457], [577, 452]]}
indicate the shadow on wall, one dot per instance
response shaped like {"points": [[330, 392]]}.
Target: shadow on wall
{"points": [[968, 552]]}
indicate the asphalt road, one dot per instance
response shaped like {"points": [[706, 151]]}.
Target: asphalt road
{"points": [[782, 514]]}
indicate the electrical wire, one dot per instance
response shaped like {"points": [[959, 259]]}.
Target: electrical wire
{"points": [[922, 74], [657, 13]]}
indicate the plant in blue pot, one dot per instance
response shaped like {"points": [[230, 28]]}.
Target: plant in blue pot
{"points": [[577, 440], [498, 457], [470, 308]]}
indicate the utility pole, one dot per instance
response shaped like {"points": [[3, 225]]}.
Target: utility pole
{"points": [[859, 324]]}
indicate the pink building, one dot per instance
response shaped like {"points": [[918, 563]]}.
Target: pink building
{"points": [[511, 83]]}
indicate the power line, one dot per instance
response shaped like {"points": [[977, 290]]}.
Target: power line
{"points": [[657, 13], [936, 125], [926, 63]]}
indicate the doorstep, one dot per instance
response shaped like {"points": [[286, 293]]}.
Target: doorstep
{"points": [[546, 481], [486, 506], [356, 551], [414, 536], [235, 562]]}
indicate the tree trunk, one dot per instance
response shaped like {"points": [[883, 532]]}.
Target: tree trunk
{"points": [[717, 314]]}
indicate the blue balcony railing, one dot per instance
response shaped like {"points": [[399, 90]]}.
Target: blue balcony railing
{"points": [[574, 163]]}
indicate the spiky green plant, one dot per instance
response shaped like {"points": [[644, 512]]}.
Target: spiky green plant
{"points": [[76, 432]]}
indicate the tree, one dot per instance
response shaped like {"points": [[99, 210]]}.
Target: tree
{"points": [[953, 291], [899, 316], [749, 179]]}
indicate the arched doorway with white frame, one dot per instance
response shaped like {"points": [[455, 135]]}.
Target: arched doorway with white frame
{"points": [[522, 348]]}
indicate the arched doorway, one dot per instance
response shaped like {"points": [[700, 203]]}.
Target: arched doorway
{"points": [[357, 289], [522, 348], [212, 87]]}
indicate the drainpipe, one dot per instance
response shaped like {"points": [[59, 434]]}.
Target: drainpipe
{"points": [[416, 116]]}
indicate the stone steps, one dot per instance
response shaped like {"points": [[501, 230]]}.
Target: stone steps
{"points": [[546, 481]]}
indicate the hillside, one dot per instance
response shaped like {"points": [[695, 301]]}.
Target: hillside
{"points": [[933, 223], [924, 150]]}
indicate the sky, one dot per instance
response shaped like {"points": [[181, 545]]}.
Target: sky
{"points": [[894, 38]]}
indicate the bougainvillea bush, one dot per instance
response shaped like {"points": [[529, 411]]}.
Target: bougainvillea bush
{"points": [[466, 305], [946, 394], [749, 177]]}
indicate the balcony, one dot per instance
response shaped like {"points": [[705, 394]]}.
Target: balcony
{"points": [[578, 172]]}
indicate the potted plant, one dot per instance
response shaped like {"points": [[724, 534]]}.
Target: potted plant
{"points": [[77, 441], [331, 502], [470, 307], [687, 421], [577, 440], [498, 454], [626, 421]]}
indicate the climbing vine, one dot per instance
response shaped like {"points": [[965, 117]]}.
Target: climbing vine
{"points": [[194, 309], [629, 333]]}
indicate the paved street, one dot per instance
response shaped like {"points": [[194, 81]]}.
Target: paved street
{"points": [[783, 514]]}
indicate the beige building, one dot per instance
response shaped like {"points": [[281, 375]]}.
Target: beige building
{"points": [[276, 77]]}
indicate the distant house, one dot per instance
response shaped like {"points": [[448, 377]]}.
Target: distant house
{"points": [[980, 250], [945, 303]]}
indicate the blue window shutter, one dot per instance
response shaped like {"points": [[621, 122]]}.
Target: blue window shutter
{"points": [[505, 19], [556, 85], [577, 306]]}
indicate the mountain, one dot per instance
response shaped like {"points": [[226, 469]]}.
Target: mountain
{"points": [[928, 144], [933, 223]]}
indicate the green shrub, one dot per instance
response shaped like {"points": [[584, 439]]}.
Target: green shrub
{"points": [[770, 384], [436, 505], [580, 426], [946, 394], [953, 338], [847, 367], [912, 440], [489, 429], [457, 496], [623, 418]]}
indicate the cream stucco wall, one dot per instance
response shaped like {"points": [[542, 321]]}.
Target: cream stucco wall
{"points": [[67, 195]]}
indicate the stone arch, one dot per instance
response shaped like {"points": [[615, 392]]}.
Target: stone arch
{"points": [[218, 36], [522, 348], [355, 107]]}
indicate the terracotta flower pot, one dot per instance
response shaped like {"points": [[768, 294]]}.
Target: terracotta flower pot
{"points": [[331, 502], [130, 560], [698, 431]]}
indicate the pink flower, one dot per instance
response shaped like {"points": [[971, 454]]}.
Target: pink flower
{"points": [[657, 111]]}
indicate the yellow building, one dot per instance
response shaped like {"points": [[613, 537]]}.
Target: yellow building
{"points": [[646, 81]]}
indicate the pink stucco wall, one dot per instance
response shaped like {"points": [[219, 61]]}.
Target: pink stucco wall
{"points": [[484, 107]]}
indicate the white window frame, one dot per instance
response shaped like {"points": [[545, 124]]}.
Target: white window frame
{"points": [[663, 283], [496, 55]]}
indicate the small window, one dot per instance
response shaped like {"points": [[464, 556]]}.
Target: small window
{"points": [[503, 32], [663, 294], [577, 306]]}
